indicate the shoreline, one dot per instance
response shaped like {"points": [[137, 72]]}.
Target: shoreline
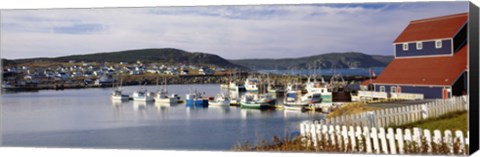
{"points": [[152, 79]]}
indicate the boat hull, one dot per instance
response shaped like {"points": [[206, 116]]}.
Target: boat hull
{"points": [[219, 103], [120, 98], [269, 104], [143, 99], [196, 103], [165, 100]]}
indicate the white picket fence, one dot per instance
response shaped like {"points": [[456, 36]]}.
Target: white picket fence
{"points": [[400, 115], [378, 140]]}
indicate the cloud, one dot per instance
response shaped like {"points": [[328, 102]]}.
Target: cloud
{"points": [[264, 31]]}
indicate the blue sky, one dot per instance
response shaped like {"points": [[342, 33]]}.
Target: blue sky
{"points": [[233, 32]]}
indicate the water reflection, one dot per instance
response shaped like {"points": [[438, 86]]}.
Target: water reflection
{"points": [[224, 110], [288, 114], [255, 113], [118, 109]]}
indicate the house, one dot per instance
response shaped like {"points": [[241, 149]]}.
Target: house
{"points": [[430, 59], [184, 72], [206, 71]]}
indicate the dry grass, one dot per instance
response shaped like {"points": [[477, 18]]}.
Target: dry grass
{"points": [[351, 108], [303, 144]]}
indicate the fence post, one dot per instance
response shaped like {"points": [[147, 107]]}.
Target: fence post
{"points": [[339, 139], [391, 140], [352, 137], [368, 140], [383, 140], [345, 137], [447, 139], [428, 139], [461, 140], [417, 136], [399, 137], [372, 122], [331, 132], [375, 140], [424, 111], [302, 128]]}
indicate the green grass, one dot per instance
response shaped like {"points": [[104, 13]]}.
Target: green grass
{"points": [[452, 121]]}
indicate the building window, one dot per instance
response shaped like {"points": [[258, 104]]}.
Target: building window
{"points": [[382, 88], [419, 45], [393, 89], [438, 44], [405, 46]]}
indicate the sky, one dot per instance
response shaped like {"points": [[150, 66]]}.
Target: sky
{"points": [[232, 32]]}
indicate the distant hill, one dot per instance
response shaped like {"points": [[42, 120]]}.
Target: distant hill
{"points": [[324, 61], [164, 55]]}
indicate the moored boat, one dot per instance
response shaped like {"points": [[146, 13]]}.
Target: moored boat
{"points": [[220, 100], [266, 100], [117, 95], [142, 96], [251, 84], [195, 100]]}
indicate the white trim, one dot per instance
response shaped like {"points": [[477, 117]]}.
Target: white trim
{"points": [[451, 46], [382, 87], [438, 46], [394, 50], [419, 45], [425, 56], [405, 48], [424, 40], [416, 85]]}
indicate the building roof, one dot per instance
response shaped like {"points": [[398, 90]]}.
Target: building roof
{"points": [[433, 28], [442, 71]]}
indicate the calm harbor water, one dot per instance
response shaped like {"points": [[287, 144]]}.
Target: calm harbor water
{"points": [[87, 118]]}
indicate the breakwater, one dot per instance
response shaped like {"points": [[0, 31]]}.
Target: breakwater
{"points": [[171, 79]]}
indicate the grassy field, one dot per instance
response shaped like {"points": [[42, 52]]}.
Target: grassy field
{"points": [[452, 121]]}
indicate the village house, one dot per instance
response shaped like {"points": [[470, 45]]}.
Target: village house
{"points": [[430, 59]]}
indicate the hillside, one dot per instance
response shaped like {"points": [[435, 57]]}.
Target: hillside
{"points": [[324, 61], [165, 55]]}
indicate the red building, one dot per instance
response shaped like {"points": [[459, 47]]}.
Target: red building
{"points": [[430, 59]]}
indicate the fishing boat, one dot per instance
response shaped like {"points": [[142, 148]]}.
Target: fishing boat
{"points": [[195, 100], [220, 100], [314, 86], [251, 84], [117, 93], [294, 100], [142, 96], [162, 95], [273, 88], [177, 97], [118, 96], [260, 101]]}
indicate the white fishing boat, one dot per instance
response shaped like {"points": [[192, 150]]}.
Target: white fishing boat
{"points": [[117, 93], [118, 96], [220, 100], [162, 95], [314, 86], [296, 101], [143, 96], [251, 84], [259, 101]]}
